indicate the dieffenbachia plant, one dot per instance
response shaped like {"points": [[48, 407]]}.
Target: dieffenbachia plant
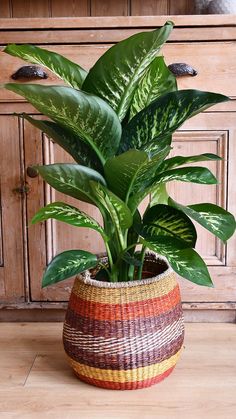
{"points": [[117, 121]]}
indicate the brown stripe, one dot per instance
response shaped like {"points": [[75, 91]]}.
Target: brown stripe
{"points": [[120, 362], [122, 328]]}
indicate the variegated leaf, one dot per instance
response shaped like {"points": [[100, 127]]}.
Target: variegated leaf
{"points": [[118, 210], [68, 71], [71, 179], [186, 262], [157, 81], [68, 264], [189, 264], [132, 171], [181, 160], [215, 219], [163, 116], [164, 220], [116, 74], [81, 152], [187, 174], [68, 214], [87, 116]]}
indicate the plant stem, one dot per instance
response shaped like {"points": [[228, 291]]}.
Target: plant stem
{"points": [[140, 268]]}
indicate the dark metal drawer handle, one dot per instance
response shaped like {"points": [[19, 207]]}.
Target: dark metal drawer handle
{"points": [[28, 72], [31, 171], [182, 69]]}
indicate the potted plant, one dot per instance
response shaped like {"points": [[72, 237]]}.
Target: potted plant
{"points": [[124, 325]]}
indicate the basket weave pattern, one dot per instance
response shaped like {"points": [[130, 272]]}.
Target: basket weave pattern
{"points": [[125, 335]]}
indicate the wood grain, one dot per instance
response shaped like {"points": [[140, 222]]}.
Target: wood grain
{"points": [[181, 7], [210, 21], [149, 7], [38, 382], [5, 9], [30, 8], [12, 267], [70, 8], [109, 8]]}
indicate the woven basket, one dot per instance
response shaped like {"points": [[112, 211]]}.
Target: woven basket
{"points": [[125, 335]]}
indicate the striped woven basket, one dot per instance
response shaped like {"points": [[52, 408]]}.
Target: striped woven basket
{"points": [[125, 335]]}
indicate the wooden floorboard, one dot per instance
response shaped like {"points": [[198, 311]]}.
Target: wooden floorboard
{"points": [[36, 382]]}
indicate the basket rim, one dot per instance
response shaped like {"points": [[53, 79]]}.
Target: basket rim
{"points": [[86, 278]]}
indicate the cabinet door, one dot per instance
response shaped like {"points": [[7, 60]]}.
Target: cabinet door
{"points": [[12, 287], [48, 239], [206, 133]]}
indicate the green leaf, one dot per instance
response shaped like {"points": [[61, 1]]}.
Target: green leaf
{"points": [[159, 195], [215, 219], [81, 152], [117, 209], [164, 220], [189, 264], [132, 171], [188, 174], [180, 160], [163, 116], [87, 116], [68, 214], [185, 262], [115, 76], [68, 71], [67, 264], [71, 179], [157, 81]]}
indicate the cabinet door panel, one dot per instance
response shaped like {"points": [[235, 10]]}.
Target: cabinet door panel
{"points": [[11, 234], [211, 132], [188, 143]]}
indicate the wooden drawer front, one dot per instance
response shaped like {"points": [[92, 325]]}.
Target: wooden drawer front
{"points": [[213, 61]]}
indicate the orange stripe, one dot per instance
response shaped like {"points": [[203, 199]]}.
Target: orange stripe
{"points": [[127, 311], [127, 385]]}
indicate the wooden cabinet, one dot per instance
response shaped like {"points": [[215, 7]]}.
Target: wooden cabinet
{"points": [[24, 249]]}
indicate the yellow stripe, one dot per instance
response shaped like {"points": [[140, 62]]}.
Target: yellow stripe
{"points": [[124, 295], [122, 376]]}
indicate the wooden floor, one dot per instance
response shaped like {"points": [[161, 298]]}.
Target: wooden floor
{"points": [[35, 381]]}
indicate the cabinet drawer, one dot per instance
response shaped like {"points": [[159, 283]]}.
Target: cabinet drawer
{"points": [[213, 61]]}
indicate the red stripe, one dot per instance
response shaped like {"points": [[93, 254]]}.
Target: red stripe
{"points": [[127, 385], [128, 311]]}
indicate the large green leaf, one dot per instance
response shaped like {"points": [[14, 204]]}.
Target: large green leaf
{"points": [[180, 160], [157, 81], [164, 220], [68, 214], [215, 219], [81, 152], [87, 116], [189, 264], [71, 179], [118, 210], [187, 174], [186, 262], [115, 76], [163, 116], [68, 71], [132, 171], [67, 264]]}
